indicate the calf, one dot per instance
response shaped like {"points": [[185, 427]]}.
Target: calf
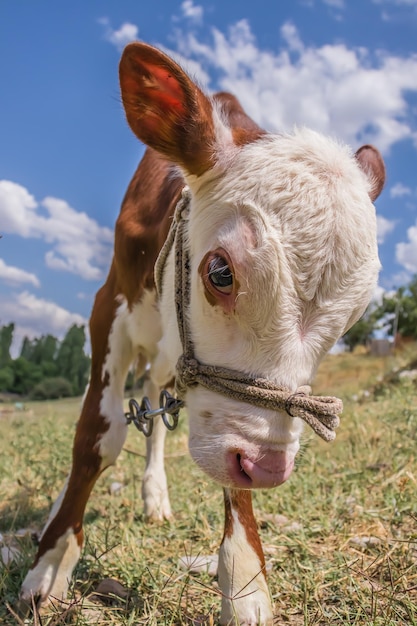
{"points": [[271, 258]]}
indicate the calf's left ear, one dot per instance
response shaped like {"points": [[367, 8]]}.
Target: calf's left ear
{"points": [[166, 109], [372, 164]]}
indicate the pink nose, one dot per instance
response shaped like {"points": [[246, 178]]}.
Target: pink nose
{"points": [[272, 469]]}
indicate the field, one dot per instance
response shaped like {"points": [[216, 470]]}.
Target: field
{"points": [[340, 537]]}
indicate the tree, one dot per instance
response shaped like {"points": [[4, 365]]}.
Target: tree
{"points": [[44, 367], [41, 351], [26, 349], [25, 376], [6, 378], [72, 362], [362, 331], [399, 310], [6, 338]]}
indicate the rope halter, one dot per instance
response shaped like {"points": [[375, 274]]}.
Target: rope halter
{"points": [[321, 413]]}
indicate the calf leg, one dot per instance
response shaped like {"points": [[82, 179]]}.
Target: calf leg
{"points": [[99, 437], [154, 485], [242, 576]]}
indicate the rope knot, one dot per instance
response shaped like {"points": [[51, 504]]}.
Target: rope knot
{"points": [[292, 399], [187, 372], [320, 412]]}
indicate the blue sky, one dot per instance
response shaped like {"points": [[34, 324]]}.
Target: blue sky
{"points": [[347, 68]]}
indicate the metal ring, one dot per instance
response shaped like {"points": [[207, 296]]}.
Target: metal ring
{"points": [[137, 415], [288, 401], [168, 403], [146, 422]]}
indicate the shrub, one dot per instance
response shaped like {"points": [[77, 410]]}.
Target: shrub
{"points": [[52, 389]]}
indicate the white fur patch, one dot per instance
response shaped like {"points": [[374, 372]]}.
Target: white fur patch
{"points": [[133, 333]]}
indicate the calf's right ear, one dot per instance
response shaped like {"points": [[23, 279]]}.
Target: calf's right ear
{"points": [[372, 164], [165, 108]]}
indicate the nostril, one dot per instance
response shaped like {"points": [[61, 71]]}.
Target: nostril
{"points": [[242, 471], [272, 470]]}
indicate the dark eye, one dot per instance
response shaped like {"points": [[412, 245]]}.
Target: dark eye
{"points": [[220, 275]]}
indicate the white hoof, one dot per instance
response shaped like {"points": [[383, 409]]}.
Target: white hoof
{"points": [[48, 581], [155, 496]]}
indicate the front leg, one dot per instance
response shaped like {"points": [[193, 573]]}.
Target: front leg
{"points": [[99, 437], [154, 486], [242, 576]]}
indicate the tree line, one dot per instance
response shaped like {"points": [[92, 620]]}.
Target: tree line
{"points": [[397, 314], [49, 368], [45, 367]]}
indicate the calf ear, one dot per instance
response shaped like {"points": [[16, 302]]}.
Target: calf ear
{"points": [[165, 108], [372, 164]]}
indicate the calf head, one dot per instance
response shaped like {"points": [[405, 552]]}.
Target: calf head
{"points": [[282, 242]]}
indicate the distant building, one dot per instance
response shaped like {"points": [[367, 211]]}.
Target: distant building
{"points": [[380, 347]]}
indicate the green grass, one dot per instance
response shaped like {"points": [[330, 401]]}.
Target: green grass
{"points": [[345, 553]]}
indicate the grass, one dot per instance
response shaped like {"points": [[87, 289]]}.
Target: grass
{"points": [[340, 538]]}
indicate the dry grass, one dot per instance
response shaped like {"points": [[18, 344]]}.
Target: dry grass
{"points": [[340, 537]]}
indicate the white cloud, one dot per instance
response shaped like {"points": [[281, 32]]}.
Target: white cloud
{"points": [[406, 252], [408, 3], [397, 280], [399, 191], [17, 208], [377, 296], [351, 93], [122, 36], [395, 8], [34, 317], [290, 34], [335, 4], [384, 227], [192, 11], [15, 275], [78, 244]]}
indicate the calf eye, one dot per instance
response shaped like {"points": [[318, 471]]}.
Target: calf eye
{"points": [[220, 275]]}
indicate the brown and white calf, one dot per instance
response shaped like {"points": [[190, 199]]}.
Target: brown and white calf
{"points": [[281, 235]]}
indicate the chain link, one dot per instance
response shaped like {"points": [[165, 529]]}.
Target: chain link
{"points": [[142, 415]]}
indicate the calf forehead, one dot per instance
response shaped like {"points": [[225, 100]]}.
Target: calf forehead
{"points": [[288, 169], [304, 191], [311, 265]]}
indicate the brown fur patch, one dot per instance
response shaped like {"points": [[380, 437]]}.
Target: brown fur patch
{"points": [[244, 129], [143, 224], [240, 501]]}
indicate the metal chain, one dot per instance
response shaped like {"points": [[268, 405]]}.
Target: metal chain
{"points": [[142, 415]]}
